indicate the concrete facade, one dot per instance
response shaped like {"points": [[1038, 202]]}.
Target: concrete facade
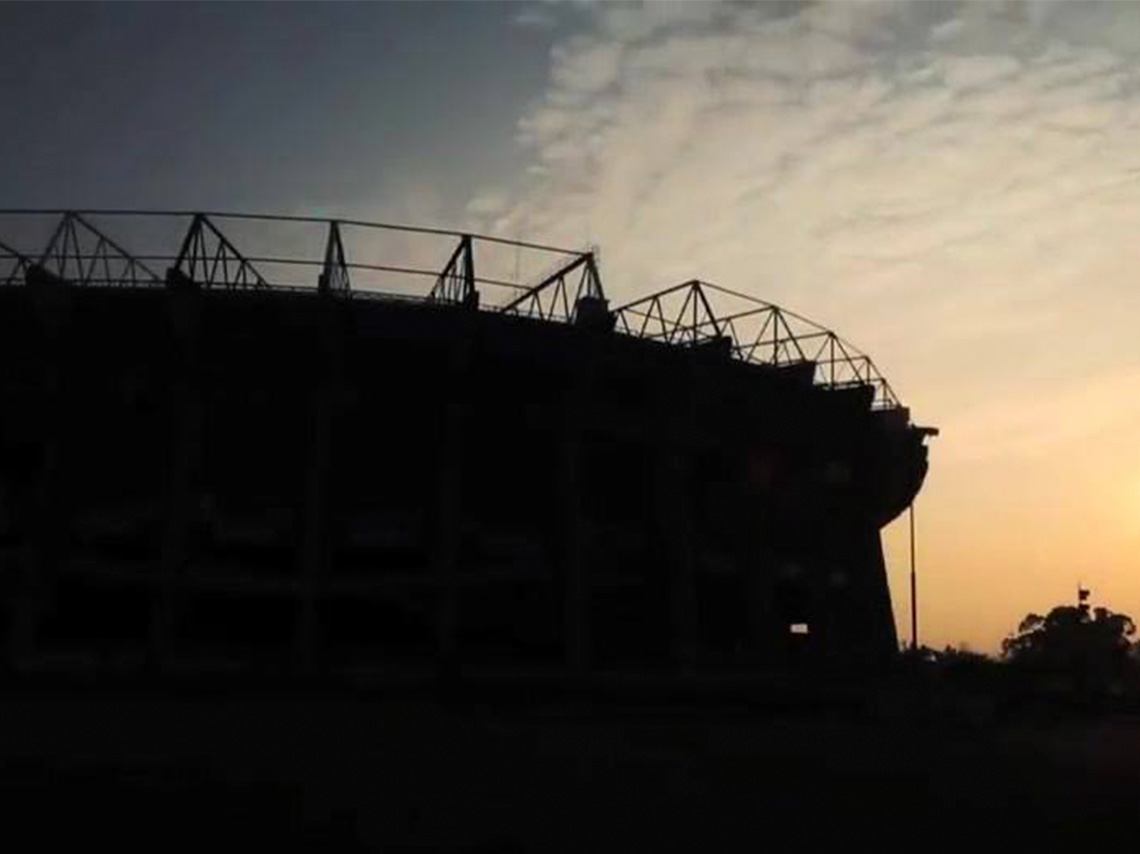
{"points": [[301, 483]]}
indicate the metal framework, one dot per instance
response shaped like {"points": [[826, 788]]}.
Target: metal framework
{"points": [[550, 299], [692, 314], [456, 283], [83, 255], [334, 276], [755, 331], [208, 257], [13, 265]]}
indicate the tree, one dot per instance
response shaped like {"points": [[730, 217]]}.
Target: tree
{"points": [[1089, 646]]}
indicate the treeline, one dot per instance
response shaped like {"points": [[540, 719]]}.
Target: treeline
{"points": [[1075, 659]]}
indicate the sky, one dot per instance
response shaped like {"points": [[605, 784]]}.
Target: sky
{"points": [[954, 187]]}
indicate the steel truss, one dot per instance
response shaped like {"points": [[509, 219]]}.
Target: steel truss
{"points": [[334, 277], [756, 331], [81, 254], [13, 265], [551, 298], [693, 314], [457, 281], [208, 258]]}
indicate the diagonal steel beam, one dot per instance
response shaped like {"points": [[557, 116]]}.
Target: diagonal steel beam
{"points": [[334, 275], [77, 250], [196, 253], [20, 265], [456, 282], [590, 284]]}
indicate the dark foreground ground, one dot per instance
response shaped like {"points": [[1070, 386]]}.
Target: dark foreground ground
{"points": [[285, 773]]}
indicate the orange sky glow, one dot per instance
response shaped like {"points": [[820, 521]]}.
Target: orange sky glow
{"points": [[955, 188]]}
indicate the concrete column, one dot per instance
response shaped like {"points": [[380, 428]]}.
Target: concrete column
{"points": [[575, 574], [449, 507], [184, 434], [766, 631], [756, 557], [872, 599], [41, 552], [674, 513], [679, 401], [315, 537]]}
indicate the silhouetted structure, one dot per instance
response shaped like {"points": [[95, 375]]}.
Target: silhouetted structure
{"points": [[212, 468]]}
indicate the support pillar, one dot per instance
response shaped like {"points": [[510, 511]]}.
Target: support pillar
{"points": [[576, 580], [315, 527], [449, 509], [679, 399], [881, 633], [765, 629], [674, 513], [184, 432], [42, 550]]}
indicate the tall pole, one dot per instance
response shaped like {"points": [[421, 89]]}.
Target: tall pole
{"points": [[913, 587]]}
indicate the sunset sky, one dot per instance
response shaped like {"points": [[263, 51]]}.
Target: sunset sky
{"points": [[954, 187]]}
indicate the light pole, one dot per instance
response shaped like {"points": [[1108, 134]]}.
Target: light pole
{"points": [[913, 587]]}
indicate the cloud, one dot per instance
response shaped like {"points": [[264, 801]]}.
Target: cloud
{"points": [[487, 203], [536, 16], [584, 68], [836, 155], [955, 187]]}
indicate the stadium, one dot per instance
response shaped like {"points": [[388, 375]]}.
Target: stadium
{"points": [[291, 446]]}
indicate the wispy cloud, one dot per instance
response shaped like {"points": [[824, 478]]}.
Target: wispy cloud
{"points": [[845, 159], [954, 186]]}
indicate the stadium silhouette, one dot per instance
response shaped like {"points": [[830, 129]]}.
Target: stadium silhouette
{"points": [[288, 447]]}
